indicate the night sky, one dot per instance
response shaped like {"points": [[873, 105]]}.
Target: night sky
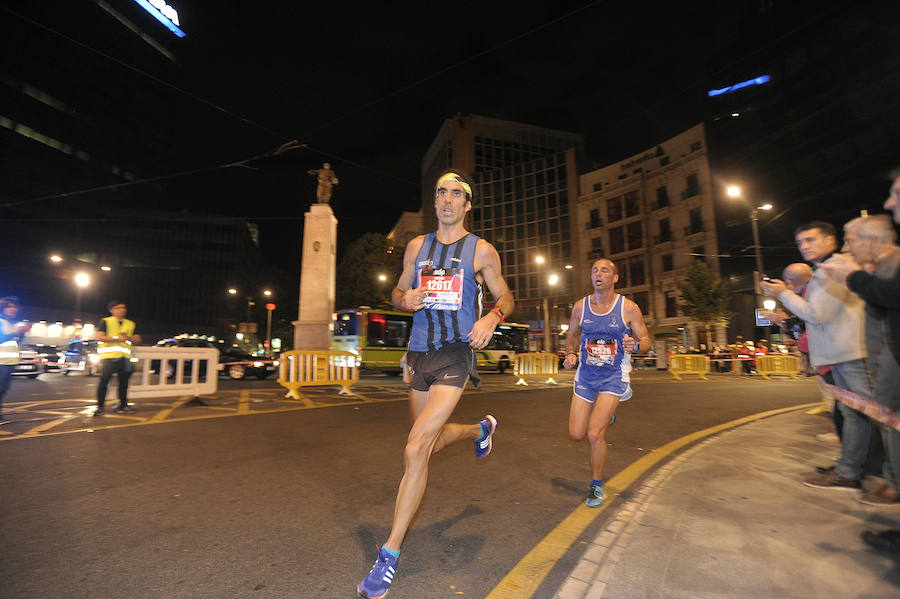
{"points": [[366, 86]]}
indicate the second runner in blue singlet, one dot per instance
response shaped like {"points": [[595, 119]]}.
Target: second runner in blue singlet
{"points": [[603, 366]]}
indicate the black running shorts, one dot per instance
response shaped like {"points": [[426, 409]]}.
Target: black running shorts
{"points": [[452, 364]]}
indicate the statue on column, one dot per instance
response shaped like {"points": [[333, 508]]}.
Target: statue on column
{"points": [[327, 179]]}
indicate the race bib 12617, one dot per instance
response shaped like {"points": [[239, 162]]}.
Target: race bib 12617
{"points": [[443, 288]]}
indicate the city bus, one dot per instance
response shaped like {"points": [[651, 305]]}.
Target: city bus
{"points": [[509, 339], [379, 339]]}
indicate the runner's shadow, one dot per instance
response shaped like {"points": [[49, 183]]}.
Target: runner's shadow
{"points": [[562, 486], [432, 547]]}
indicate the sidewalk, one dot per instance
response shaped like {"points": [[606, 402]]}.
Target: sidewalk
{"points": [[731, 518]]}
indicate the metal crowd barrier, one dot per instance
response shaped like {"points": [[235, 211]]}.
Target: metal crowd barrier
{"points": [[167, 371], [689, 364], [778, 364], [536, 364], [316, 368]]}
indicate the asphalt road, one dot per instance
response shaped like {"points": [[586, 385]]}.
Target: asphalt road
{"points": [[252, 496]]}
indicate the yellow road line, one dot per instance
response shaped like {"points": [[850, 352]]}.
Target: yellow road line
{"points": [[244, 405], [524, 579], [21, 406], [306, 401], [164, 413], [37, 430]]}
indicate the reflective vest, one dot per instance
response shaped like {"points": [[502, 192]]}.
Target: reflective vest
{"points": [[9, 350], [115, 348]]}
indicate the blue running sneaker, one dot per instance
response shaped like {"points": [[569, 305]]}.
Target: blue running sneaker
{"points": [[377, 582], [483, 443], [595, 496], [612, 420]]}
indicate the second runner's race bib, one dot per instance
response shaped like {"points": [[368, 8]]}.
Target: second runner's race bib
{"points": [[443, 288], [600, 352]]}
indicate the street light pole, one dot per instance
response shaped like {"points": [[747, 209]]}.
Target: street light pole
{"points": [[82, 280], [754, 221], [546, 324], [735, 192]]}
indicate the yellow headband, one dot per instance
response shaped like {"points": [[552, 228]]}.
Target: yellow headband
{"points": [[456, 179]]}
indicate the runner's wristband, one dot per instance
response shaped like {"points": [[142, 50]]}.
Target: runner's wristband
{"points": [[500, 314]]}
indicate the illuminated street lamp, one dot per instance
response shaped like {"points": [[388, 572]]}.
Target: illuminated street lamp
{"points": [[267, 293], [56, 258], [382, 278], [106, 268], [232, 291]]}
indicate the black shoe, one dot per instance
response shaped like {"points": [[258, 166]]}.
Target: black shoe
{"points": [[125, 410], [99, 412], [824, 469], [887, 540]]}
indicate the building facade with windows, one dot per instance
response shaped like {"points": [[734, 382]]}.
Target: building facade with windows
{"points": [[653, 215]]}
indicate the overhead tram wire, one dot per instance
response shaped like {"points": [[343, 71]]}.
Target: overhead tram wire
{"points": [[285, 147], [195, 97]]}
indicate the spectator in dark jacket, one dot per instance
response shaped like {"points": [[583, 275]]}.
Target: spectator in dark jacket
{"points": [[881, 293]]}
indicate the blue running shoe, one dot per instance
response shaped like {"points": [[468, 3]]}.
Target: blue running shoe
{"points": [[377, 582], [595, 496], [612, 420], [483, 443]]}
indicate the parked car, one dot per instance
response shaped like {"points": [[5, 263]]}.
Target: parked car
{"points": [[238, 364], [49, 356], [29, 364], [81, 356], [234, 362]]}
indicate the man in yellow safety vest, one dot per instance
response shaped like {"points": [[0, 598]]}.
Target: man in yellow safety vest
{"points": [[116, 336], [11, 333]]}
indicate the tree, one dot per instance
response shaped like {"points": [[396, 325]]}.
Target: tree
{"points": [[705, 298], [365, 260]]}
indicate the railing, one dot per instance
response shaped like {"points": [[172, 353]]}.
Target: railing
{"points": [[777, 364], [536, 364], [680, 364], [167, 371], [317, 368]]}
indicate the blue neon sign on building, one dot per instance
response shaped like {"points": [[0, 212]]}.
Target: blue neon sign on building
{"points": [[733, 88]]}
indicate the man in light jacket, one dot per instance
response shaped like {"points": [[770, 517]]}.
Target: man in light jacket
{"points": [[834, 326]]}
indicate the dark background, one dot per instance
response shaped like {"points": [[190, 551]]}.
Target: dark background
{"points": [[366, 86]]}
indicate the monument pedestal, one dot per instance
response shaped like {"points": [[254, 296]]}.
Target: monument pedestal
{"points": [[317, 279]]}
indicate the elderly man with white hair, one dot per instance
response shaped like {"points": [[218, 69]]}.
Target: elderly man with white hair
{"points": [[872, 243]]}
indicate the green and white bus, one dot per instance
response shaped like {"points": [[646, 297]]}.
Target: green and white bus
{"points": [[379, 339], [509, 340]]}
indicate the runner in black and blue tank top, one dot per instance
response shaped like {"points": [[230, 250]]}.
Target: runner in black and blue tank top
{"points": [[443, 274], [599, 341]]}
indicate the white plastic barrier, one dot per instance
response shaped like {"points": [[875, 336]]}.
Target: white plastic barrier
{"points": [[167, 371]]}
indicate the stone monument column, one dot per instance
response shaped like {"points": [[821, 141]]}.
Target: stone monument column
{"points": [[317, 279]]}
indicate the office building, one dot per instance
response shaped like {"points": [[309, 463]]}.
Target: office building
{"points": [[653, 214]]}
